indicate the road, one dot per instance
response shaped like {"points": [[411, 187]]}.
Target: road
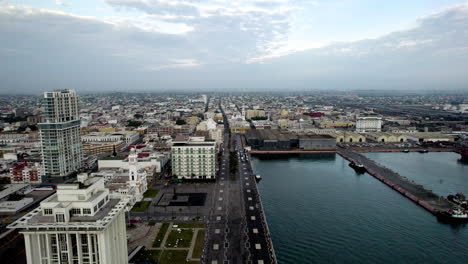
{"points": [[236, 226]]}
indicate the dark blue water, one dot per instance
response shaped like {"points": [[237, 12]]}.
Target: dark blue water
{"points": [[441, 172], [320, 211]]}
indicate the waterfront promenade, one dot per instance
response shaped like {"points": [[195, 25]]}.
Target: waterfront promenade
{"points": [[413, 191]]}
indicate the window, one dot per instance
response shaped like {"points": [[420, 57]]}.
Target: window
{"points": [[47, 211], [59, 218], [75, 211], [87, 211]]}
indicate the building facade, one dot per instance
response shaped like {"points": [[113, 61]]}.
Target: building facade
{"points": [[368, 124], [194, 158], [60, 134], [31, 173], [79, 224]]}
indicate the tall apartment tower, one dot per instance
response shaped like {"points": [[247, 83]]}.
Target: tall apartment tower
{"points": [[79, 224], [60, 134]]}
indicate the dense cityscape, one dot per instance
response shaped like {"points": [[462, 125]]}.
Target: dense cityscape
{"points": [[168, 178], [233, 132]]}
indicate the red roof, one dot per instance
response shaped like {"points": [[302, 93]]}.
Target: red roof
{"points": [[143, 155]]}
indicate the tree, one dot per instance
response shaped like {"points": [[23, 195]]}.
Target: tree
{"points": [[133, 123], [138, 116], [180, 122]]}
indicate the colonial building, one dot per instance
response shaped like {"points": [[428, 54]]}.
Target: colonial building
{"points": [[368, 124]]}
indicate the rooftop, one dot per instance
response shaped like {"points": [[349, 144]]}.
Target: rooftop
{"points": [[100, 220]]}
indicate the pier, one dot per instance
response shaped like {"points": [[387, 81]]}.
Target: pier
{"points": [[411, 190]]}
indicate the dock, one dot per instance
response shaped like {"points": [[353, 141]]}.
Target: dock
{"points": [[411, 190]]}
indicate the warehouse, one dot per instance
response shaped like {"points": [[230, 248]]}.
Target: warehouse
{"points": [[348, 137], [429, 137], [317, 142], [384, 137], [279, 140]]}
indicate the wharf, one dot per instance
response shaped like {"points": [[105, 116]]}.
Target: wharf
{"points": [[415, 192], [401, 150], [290, 151]]}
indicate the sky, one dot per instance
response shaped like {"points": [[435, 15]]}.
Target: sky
{"points": [[233, 45]]}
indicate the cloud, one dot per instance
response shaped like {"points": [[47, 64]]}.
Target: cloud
{"points": [[44, 49], [178, 64], [61, 3], [242, 29]]}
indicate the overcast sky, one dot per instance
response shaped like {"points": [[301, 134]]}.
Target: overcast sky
{"points": [[163, 45]]}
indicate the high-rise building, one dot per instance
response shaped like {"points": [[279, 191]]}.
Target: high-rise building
{"points": [[60, 133], [81, 223], [193, 158]]}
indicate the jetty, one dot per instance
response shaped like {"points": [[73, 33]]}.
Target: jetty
{"points": [[411, 190]]}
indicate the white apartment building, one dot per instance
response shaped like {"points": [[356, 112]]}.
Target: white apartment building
{"points": [[80, 224], [368, 124], [193, 158], [60, 134]]}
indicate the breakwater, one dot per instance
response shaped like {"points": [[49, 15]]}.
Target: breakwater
{"points": [[411, 190]]}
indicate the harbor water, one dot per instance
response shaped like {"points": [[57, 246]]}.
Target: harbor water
{"points": [[320, 211], [441, 172]]}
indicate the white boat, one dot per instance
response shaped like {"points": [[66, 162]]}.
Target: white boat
{"points": [[258, 177]]}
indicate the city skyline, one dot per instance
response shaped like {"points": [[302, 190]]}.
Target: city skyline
{"points": [[123, 45]]}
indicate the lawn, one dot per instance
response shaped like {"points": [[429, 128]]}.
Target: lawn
{"points": [[158, 240], [191, 225], [166, 257], [141, 206], [174, 256], [147, 255], [199, 242], [150, 193], [183, 238]]}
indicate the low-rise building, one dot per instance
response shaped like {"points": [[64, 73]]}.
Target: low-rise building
{"points": [[99, 148], [317, 142], [429, 137], [25, 172], [348, 137], [383, 137]]}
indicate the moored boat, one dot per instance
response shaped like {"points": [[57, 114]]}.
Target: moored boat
{"points": [[456, 215], [358, 167], [406, 150], [423, 151], [258, 177]]}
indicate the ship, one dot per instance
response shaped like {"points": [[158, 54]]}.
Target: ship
{"points": [[358, 167], [258, 177], [459, 199], [406, 150], [456, 215], [423, 151], [464, 155]]}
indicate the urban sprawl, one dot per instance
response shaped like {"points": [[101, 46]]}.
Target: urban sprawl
{"points": [[166, 178]]}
